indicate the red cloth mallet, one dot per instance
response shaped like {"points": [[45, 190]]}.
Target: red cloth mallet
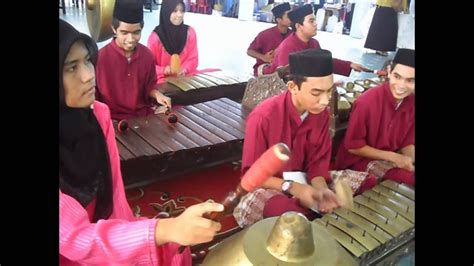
{"points": [[266, 166]]}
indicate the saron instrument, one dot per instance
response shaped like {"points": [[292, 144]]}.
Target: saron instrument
{"points": [[206, 80], [378, 227], [380, 223]]}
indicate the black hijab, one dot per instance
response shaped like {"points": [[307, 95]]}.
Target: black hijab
{"points": [[173, 37], [84, 167]]}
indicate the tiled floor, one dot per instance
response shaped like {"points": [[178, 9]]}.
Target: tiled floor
{"points": [[223, 42]]}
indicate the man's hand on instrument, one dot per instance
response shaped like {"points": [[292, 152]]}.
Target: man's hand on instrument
{"points": [[304, 193], [322, 199], [189, 228], [403, 161], [326, 200], [160, 109], [358, 67], [163, 100], [268, 57]]}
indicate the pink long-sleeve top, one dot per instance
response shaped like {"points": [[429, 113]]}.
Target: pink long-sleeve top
{"points": [[122, 239], [189, 55]]}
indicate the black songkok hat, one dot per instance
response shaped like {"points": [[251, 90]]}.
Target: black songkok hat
{"points": [[299, 13], [280, 9], [129, 11], [311, 63], [405, 57]]}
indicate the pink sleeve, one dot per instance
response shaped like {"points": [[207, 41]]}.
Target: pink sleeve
{"points": [[120, 239], [156, 48], [190, 59], [112, 240], [165, 254], [121, 208]]}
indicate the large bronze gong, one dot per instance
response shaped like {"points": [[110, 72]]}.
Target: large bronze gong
{"points": [[99, 18], [286, 240]]}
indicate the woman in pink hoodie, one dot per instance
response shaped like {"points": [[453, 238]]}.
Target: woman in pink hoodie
{"points": [[173, 37], [96, 224]]}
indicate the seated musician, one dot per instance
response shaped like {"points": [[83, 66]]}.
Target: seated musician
{"points": [[299, 118], [126, 78], [173, 37], [96, 224], [380, 137], [263, 46], [303, 22]]}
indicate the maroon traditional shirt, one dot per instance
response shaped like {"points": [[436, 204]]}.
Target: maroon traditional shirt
{"points": [[277, 120], [294, 44], [266, 41], [377, 122], [125, 84]]}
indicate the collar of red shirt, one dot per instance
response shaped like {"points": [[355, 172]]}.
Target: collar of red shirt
{"points": [[404, 106], [122, 52], [294, 115]]}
